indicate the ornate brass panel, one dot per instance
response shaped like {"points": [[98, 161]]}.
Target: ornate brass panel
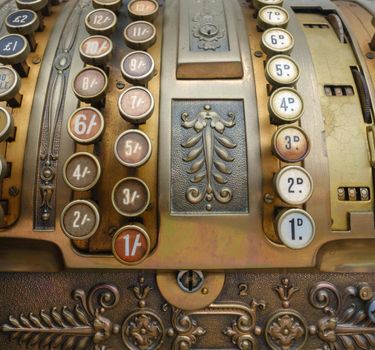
{"points": [[209, 241], [209, 168], [254, 311]]}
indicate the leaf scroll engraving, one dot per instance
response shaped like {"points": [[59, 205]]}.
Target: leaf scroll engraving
{"points": [[209, 155], [347, 324], [81, 328]]}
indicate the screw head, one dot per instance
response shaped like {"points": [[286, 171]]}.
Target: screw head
{"points": [[14, 191], [36, 60], [268, 198], [120, 85]]}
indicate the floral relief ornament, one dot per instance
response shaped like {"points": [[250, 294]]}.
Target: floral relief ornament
{"points": [[142, 329], [286, 330]]}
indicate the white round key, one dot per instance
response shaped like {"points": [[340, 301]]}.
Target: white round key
{"points": [[272, 16], [285, 106], [277, 41], [258, 4], [295, 227], [294, 185], [282, 70]]}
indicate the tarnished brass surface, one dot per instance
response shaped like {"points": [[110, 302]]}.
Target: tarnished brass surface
{"points": [[207, 293], [345, 129], [210, 271], [11, 189], [209, 241], [125, 310]]}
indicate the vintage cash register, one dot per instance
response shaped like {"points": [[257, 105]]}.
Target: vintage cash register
{"points": [[187, 174]]}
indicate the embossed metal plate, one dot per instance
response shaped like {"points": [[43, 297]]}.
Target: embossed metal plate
{"points": [[208, 44], [209, 162]]}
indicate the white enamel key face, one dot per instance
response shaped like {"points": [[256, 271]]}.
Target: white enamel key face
{"points": [[294, 185], [282, 70], [296, 228]]}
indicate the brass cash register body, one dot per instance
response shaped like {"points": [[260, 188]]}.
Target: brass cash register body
{"points": [[187, 174]]}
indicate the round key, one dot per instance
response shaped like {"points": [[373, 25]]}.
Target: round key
{"points": [[295, 228], [113, 5], [133, 148], [285, 106], [277, 41], [3, 168], [80, 219], [282, 70], [258, 4], [136, 105], [272, 16], [101, 21], [96, 50], [146, 10], [370, 305], [140, 35], [130, 197], [90, 84], [86, 125], [82, 171], [290, 144], [294, 185], [6, 124], [35, 5], [10, 83], [14, 49], [24, 22], [131, 244], [138, 67]]}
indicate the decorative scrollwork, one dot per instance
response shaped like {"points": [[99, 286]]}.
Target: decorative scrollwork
{"points": [[347, 324], [52, 121], [325, 296], [244, 330], [187, 328], [83, 328], [208, 141]]}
